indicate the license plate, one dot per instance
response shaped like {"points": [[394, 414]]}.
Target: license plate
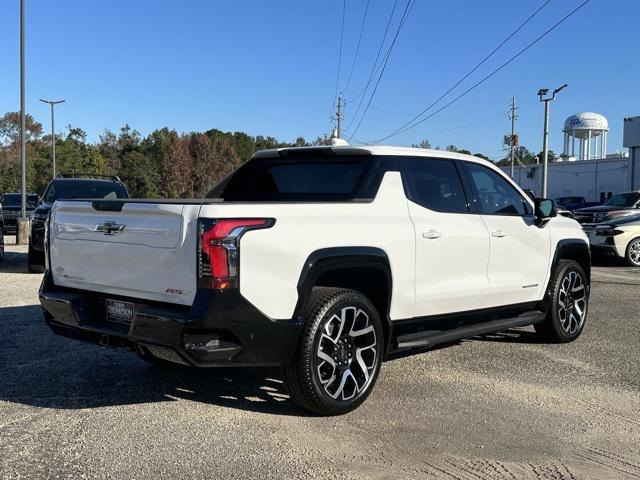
{"points": [[119, 312]]}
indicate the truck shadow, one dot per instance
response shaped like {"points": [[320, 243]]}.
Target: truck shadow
{"points": [[512, 335], [14, 262], [40, 369]]}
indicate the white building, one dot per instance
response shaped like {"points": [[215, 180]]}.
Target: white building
{"points": [[587, 170]]}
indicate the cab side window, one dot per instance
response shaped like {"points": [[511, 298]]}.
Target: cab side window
{"points": [[493, 194], [434, 184]]}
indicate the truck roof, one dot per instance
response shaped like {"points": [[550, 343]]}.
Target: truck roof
{"points": [[371, 150]]}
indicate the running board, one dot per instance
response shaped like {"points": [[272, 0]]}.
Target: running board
{"points": [[431, 338]]}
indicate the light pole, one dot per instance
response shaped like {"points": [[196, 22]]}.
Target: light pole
{"points": [[53, 132], [22, 233], [545, 139]]}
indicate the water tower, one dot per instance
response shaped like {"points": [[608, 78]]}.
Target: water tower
{"points": [[590, 130]]}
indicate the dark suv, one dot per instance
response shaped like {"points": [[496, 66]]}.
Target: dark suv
{"points": [[620, 205], [12, 208], [68, 186]]}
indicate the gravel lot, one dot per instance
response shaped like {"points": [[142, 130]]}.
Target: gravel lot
{"points": [[502, 406]]}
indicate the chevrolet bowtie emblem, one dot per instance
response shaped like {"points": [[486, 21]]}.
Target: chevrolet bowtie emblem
{"points": [[109, 228]]}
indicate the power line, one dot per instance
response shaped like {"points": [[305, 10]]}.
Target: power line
{"points": [[344, 8], [405, 14], [487, 77], [470, 72], [375, 64], [355, 57]]}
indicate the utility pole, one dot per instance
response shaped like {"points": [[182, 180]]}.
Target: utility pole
{"points": [[53, 132], [512, 140], [22, 233], [339, 116], [545, 139]]}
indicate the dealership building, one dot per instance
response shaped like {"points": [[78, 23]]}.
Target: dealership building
{"points": [[584, 168]]}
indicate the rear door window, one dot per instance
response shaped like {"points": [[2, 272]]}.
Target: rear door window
{"points": [[434, 184]]}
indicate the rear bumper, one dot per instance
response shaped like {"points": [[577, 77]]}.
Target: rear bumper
{"points": [[219, 330]]}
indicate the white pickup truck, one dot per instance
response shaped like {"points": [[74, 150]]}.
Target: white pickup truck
{"points": [[320, 260]]}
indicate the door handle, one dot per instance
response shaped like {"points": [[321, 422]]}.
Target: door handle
{"points": [[431, 234], [498, 233]]}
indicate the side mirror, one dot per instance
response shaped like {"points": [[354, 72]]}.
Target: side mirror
{"points": [[545, 209]]}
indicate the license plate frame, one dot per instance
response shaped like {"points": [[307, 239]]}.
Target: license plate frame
{"points": [[117, 311]]}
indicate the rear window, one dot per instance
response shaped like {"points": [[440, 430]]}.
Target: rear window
{"points": [[333, 178], [70, 189]]}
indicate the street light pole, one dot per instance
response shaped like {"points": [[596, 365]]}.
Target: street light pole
{"points": [[53, 132], [545, 139], [545, 148], [22, 233]]}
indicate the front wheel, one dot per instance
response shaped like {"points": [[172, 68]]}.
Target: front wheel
{"points": [[633, 252], [340, 352], [568, 306]]}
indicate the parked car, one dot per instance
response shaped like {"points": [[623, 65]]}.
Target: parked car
{"points": [[12, 209], [620, 238], [1, 234], [574, 203], [619, 205], [321, 260], [67, 186]]}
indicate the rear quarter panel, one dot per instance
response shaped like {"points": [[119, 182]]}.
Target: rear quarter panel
{"points": [[272, 260]]}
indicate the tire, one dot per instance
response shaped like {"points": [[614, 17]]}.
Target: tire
{"points": [[1, 244], [569, 304], [633, 252], [333, 371], [35, 261]]}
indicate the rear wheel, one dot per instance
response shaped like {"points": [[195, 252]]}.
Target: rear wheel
{"points": [[35, 261], [569, 295], [633, 252], [340, 352]]}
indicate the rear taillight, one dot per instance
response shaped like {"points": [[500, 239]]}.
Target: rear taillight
{"points": [[219, 247]]}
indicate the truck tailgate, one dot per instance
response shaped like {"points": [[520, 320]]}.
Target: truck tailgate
{"points": [[143, 250]]}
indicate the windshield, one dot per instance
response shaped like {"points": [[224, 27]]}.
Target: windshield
{"points": [[15, 199], [296, 179], [67, 189], [623, 200]]}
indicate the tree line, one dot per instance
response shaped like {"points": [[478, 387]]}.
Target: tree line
{"points": [[163, 164]]}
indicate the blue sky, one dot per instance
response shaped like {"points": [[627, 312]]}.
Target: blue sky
{"points": [[269, 67]]}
